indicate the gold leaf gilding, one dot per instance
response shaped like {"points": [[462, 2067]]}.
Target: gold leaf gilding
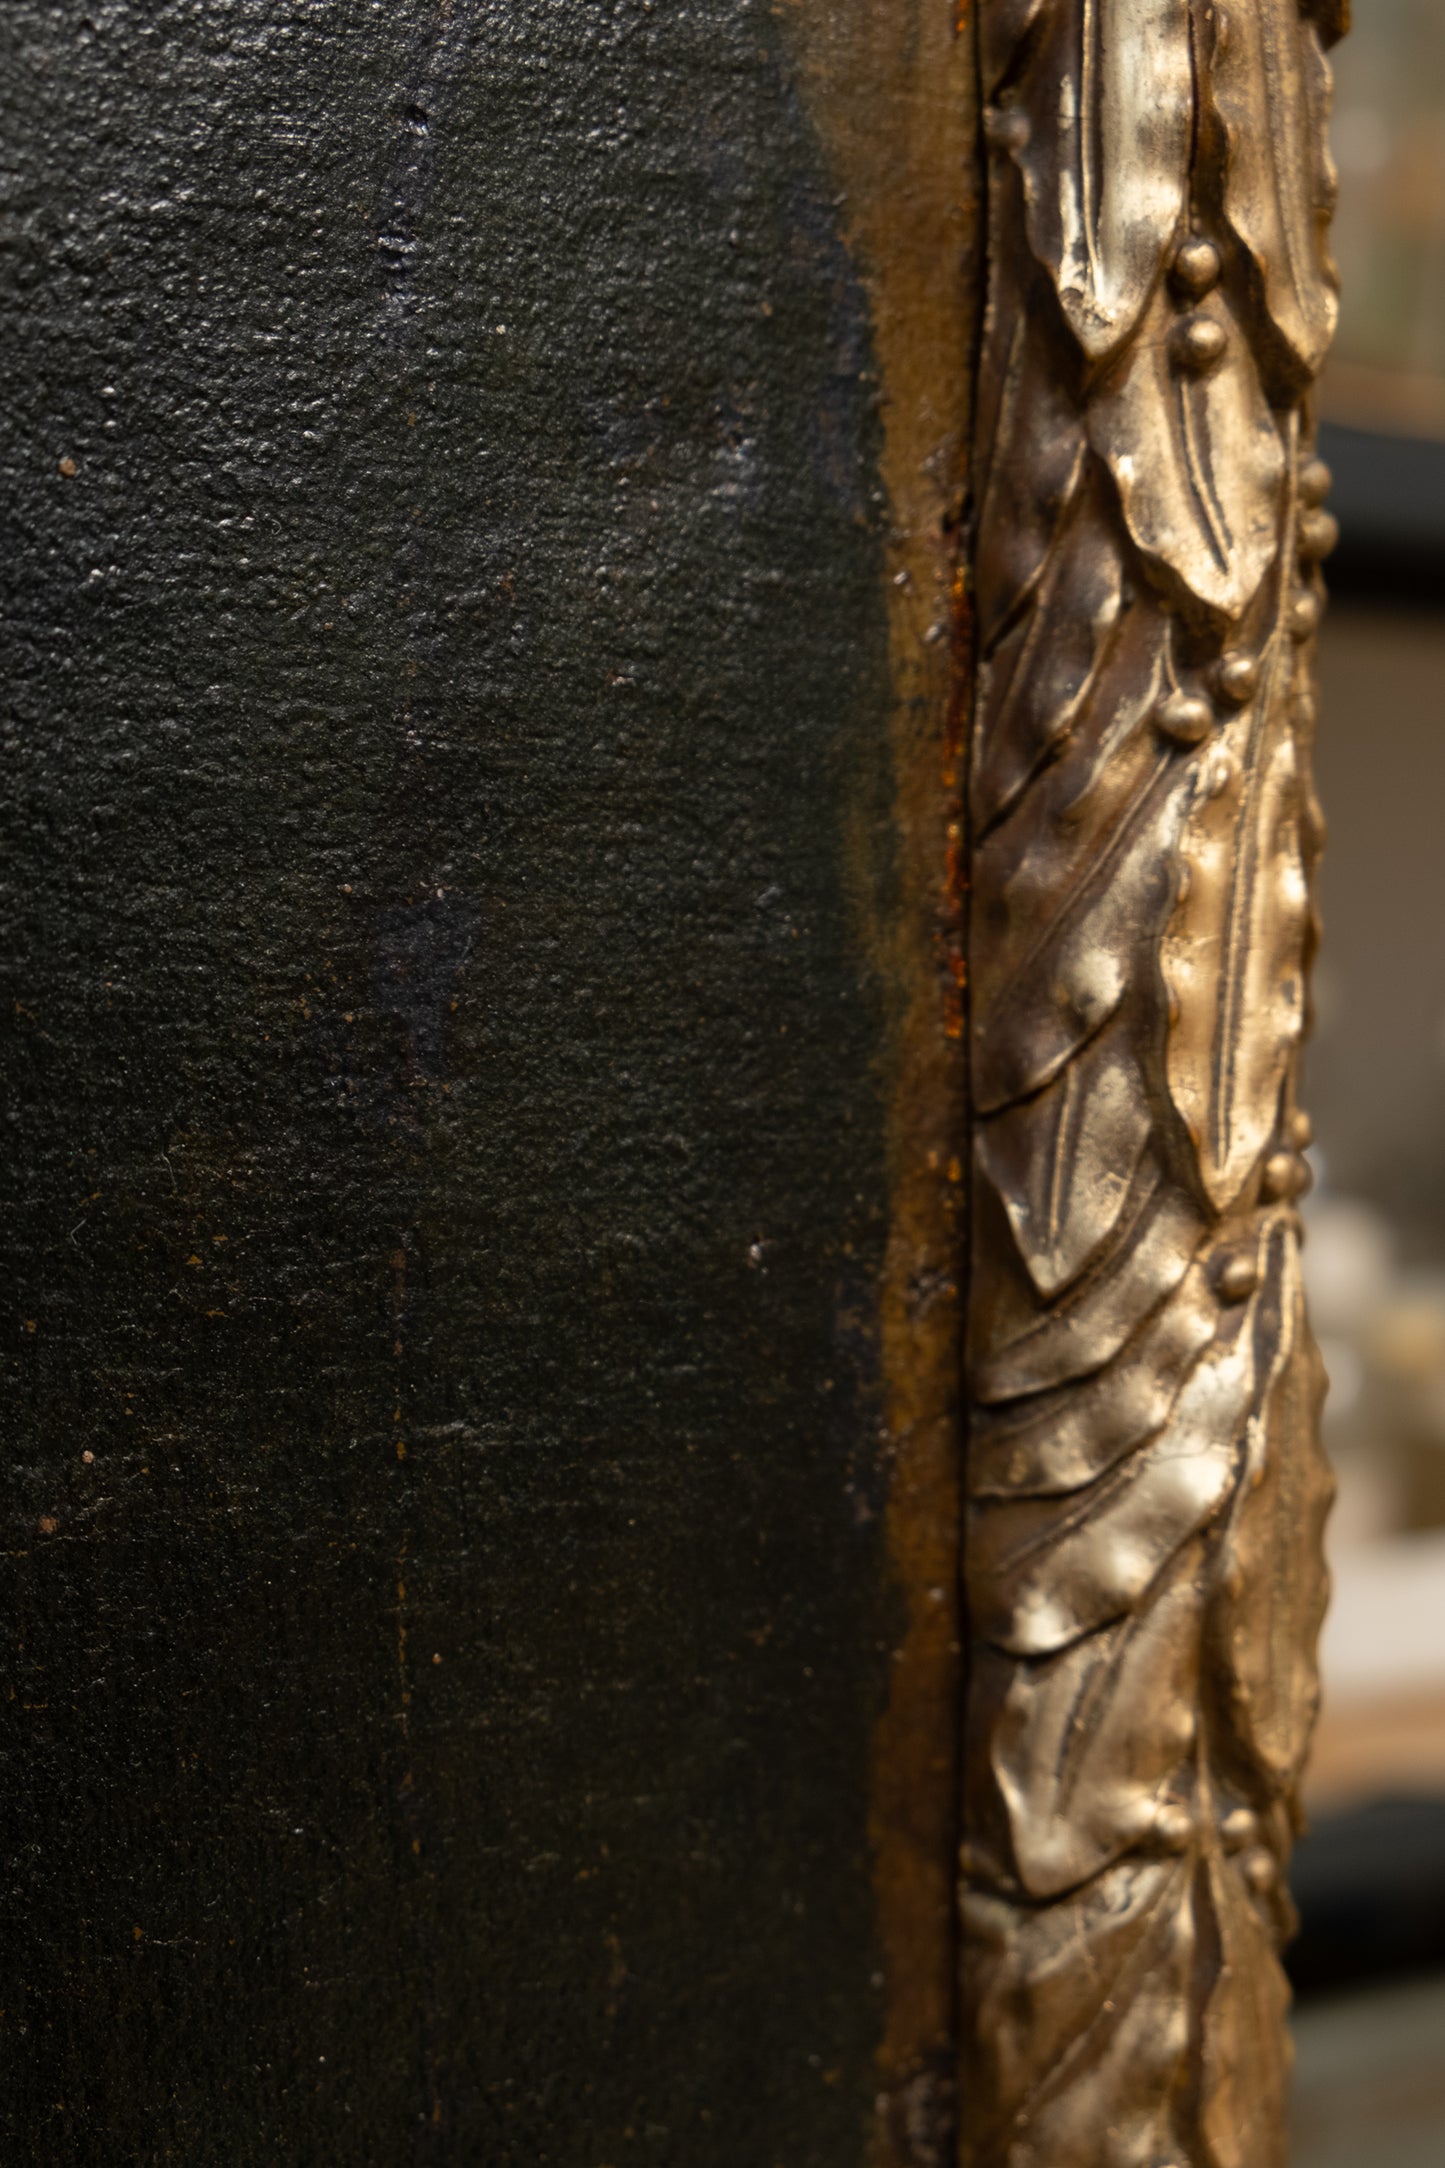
{"points": [[1145, 1492]]}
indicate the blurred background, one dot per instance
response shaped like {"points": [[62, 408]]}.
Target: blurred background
{"points": [[1369, 1967]]}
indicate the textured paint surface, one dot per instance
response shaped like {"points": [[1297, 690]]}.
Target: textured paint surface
{"points": [[446, 662]]}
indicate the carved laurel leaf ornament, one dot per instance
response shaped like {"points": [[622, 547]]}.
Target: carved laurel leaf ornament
{"points": [[1146, 1491]]}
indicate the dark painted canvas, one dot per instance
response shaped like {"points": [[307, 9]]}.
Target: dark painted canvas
{"points": [[476, 482]]}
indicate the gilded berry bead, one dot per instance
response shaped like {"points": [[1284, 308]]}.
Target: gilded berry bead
{"points": [[1285, 1175], [1304, 613], [1199, 342], [1238, 677], [1237, 1277], [1185, 718], [1318, 534], [1196, 267], [1315, 480]]}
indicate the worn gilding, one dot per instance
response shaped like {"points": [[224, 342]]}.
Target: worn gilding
{"points": [[1146, 1492]]}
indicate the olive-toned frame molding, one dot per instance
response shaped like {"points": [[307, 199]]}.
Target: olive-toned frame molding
{"points": [[1145, 1491]]}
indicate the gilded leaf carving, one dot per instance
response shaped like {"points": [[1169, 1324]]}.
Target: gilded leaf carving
{"points": [[1245, 2059], [1043, 1572], [1018, 1348], [1079, 1783], [1057, 1442], [1269, 85], [1146, 1494], [1031, 464], [1272, 1598], [1098, 118], [1064, 1161], [1233, 954], [1061, 963], [1066, 2088], [1187, 434], [1040, 685]]}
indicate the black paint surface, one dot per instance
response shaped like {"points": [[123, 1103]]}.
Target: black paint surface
{"points": [[444, 1183]]}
